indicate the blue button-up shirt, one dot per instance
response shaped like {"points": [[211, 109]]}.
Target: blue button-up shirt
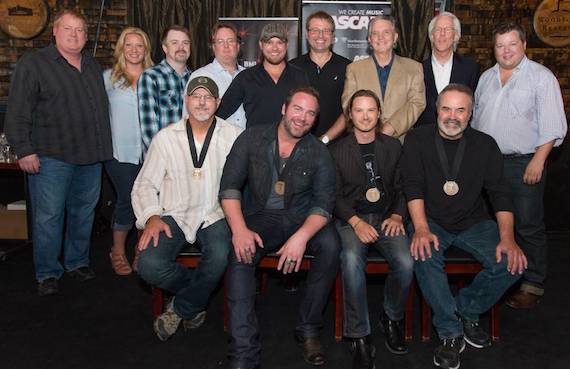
{"points": [[525, 113], [160, 93], [383, 74]]}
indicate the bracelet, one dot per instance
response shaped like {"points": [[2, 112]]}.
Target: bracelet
{"points": [[357, 223]]}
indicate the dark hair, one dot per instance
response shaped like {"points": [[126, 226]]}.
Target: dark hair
{"points": [[174, 27], [221, 25], [362, 93], [320, 15], [458, 87], [307, 90], [507, 27]]}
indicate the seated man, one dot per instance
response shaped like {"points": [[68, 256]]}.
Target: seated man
{"points": [[445, 169], [287, 208], [175, 201], [370, 209]]}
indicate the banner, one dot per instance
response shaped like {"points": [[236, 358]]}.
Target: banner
{"points": [[351, 22], [249, 30]]}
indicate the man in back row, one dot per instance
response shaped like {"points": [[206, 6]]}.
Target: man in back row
{"points": [[262, 88], [160, 89], [224, 68]]}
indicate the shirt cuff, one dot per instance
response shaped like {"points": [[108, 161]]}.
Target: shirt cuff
{"points": [[230, 194], [319, 211]]}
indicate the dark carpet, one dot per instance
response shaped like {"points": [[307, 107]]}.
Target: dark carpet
{"points": [[107, 323]]}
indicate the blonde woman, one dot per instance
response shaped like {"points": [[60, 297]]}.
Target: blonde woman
{"points": [[132, 57]]}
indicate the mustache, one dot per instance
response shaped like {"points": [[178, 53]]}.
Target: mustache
{"points": [[452, 121]]}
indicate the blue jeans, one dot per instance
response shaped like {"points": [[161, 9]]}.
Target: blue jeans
{"points": [[192, 287], [123, 177], [62, 191], [529, 222], [396, 250], [484, 291], [275, 228]]}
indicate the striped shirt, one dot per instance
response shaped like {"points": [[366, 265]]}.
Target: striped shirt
{"points": [[525, 113], [165, 185], [160, 92], [57, 111]]}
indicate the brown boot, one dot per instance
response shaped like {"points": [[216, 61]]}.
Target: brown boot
{"points": [[120, 264], [523, 300]]}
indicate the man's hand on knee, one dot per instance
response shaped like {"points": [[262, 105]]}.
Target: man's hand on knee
{"points": [[154, 225]]}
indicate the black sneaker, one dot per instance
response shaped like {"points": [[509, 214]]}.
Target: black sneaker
{"points": [[447, 355], [82, 274], [475, 335], [48, 286]]}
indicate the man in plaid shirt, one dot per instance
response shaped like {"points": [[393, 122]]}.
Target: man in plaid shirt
{"points": [[160, 89]]}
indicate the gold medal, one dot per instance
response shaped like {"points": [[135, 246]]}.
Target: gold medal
{"points": [[373, 194], [451, 188], [280, 188], [197, 174]]}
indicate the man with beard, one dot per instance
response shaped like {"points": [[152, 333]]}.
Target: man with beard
{"points": [[445, 170], [290, 178], [175, 201], [371, 209], [262, 88], [160, 89]]}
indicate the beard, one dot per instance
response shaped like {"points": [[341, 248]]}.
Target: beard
{"points": [[451, 127]]}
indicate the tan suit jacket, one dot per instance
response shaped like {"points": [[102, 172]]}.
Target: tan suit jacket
{"points": [[405, 97]]}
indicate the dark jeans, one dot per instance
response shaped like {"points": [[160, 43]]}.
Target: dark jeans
{"points": [[353, 257], [274, 229], [484, 291], [62, 193], [123, 177], [529, 222], [192, 287]]}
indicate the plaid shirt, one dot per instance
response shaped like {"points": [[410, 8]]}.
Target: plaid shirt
{"points": [[160, 93]]}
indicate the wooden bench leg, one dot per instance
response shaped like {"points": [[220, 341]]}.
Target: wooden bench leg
{"points": [[494, 322], [157, 301], [426, 321], [339, 308], [409, 314]]}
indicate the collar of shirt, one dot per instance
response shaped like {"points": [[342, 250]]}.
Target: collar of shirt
{"points": [[383, 73], [167, 68], [54, 53], [219, 68], [522, 65]]}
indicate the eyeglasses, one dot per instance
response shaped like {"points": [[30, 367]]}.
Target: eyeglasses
{"points": [[228, 41], [446, 30], [198, 97], [317, 31]]}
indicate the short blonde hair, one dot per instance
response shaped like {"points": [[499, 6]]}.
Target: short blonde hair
{"points": [[71, 12], [119, 71]]}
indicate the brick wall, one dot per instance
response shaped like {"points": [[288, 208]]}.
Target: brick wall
{"points": [[114, 20], [478, 17]]}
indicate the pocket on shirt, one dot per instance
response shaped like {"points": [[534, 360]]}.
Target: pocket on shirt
{"points": [[168, 99], [521, 103], [303, 179]]}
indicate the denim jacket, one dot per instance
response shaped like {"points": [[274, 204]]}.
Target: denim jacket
{"points": [[310, 183]]}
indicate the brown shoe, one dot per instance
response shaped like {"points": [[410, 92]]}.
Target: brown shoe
{"points": [[523, 300], [120, 264]]}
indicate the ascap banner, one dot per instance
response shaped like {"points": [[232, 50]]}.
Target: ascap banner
{"points": [[351, 22]]}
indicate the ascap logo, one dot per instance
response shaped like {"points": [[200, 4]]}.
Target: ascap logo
{"points": [[552, 22], [354, 22]]}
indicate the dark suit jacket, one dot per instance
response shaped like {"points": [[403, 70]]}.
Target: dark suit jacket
{"points": [[464, 70], [351, 177]]}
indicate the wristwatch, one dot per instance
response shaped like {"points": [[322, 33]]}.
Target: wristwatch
{"points": [[325, 139]]}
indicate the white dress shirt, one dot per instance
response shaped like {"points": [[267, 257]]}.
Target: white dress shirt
{"points": [[165, 185], [223, 79], [441, 72]]}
